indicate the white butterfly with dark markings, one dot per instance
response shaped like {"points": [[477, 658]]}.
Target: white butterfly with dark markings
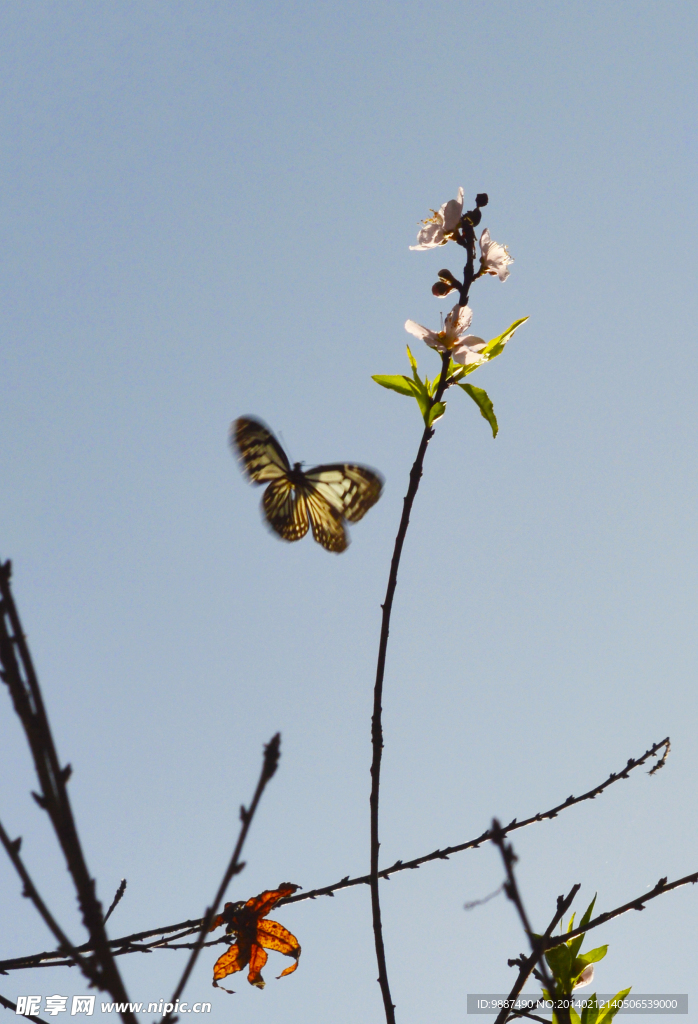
{"points": [[322, 497]]}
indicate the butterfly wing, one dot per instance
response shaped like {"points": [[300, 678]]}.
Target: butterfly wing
{"points": [[260, 455], [349, 489], [325, 519], [285, 511]]}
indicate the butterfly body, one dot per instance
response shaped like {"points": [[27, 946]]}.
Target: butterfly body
{"points": [[296, 500]]}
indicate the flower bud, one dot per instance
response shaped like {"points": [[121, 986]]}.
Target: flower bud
{"points": [[481, 199], [446, 283]]}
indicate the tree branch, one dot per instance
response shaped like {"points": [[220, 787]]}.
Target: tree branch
{"points": [[9, 1005], [19, 675], [512, 890], [638, 903], [269, 766], [126, 944], [528, 963], [376, 720]]}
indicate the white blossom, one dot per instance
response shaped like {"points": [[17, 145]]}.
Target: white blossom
{"points": [[464, 348], [586, 977], [438, 229], [495, 258]]}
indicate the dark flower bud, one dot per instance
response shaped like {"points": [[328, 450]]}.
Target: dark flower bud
{"points": [[481, 199], [446, 283]]}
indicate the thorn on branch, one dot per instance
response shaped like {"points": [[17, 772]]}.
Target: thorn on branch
{"points": [[41, 801]]}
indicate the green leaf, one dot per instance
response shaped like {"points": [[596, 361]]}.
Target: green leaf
{"points": [[592, 957], [496, 346], [560, 963], [608, 1015], [424, 403], [482, 401], [570, 926], [435, 413], [591, 1010], [587, 913], [575, 944], [413, 362], [398, 382]]}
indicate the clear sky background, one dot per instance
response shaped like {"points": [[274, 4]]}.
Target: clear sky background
{"points": [[206, 211]]}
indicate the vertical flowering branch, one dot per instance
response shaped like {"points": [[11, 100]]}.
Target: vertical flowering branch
{"points": [[461, 353]]}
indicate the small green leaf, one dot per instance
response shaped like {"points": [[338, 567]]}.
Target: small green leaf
{"points": [[482, 401], [591, 1010], [576, 944], [608, 1015], [496, 346], [570, 926], [587, 913], [413, 361], [560, 963], [424, 403], [398, 382], [435, 413], [592, 957]]}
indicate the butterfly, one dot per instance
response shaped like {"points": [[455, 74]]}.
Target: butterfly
{"points": [[322, 497]]}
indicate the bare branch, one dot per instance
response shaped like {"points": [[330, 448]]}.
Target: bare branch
{"points": [[376, 720], [9, 1005], [638, 903], [66, 947], [269, 766], [19, 675], [512, 890], [527, 964], [486, 837], [117, 899], [127, 943]]}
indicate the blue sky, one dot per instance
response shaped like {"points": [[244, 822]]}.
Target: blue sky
{"points": [[206, 211]]}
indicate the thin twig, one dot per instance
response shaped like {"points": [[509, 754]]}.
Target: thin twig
{"points": [[485, 837], [527, 964], [376, 720], [512, 890], [660, 889], [269, 766], [19, 675], [66, 947], [467, 240], [547, 942], [9, 1005], [471, 904], [190, 926], [117, 899]]}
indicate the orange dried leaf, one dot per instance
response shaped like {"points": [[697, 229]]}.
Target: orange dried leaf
{"points": [[258, 958], [245, 921], [232, 960]]}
